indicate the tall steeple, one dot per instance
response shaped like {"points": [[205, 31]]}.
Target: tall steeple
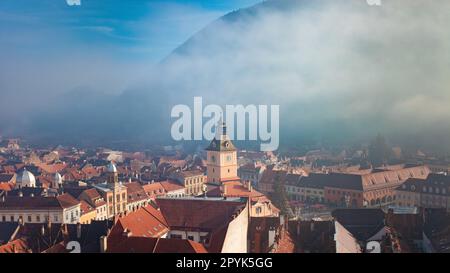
{"points": [[221, 157], [113, 176]]}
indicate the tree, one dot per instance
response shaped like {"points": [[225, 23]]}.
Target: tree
{"points": [[280, 198]]}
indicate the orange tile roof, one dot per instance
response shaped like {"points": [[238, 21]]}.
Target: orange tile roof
{"points": [[66, 200], [145, 222], [85, 207], [6, 186], [52, 168], [154, 189], [171, 185]]}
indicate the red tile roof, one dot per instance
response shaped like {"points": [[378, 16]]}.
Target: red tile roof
{"points": [[16, 246], [156, 245], [67, 201], [145, 222], [171, 185], [154, 189], [85, 207], [198, 214]]}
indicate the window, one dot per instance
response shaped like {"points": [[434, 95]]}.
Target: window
{"points": [[191, 238], [38, 218], [3, 218], [176, 236], [55, 218], [12, 218], [29, 218]]}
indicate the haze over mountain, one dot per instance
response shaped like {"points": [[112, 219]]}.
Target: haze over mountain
{"points": [[340, 70]]}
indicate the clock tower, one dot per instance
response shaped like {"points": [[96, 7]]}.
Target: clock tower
{"points": [[221, 158]]}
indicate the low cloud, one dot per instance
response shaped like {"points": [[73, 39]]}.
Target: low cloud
{"points": [[340, 70]]}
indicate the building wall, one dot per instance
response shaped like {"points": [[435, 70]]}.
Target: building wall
{"points": [[37, 216], [72, 215], [236, 237], [305, 194], [119, 199], [137, 204], [407, 199], [380, 197], [262, 209], [420, 199], [101, 212], [195, 236], [87, 218], [224, 166], [337, 196], [194, 184]]}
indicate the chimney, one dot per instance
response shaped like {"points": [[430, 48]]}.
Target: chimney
{"points": [[103, 244], [78, 231], [127, 233], [224, 189]]}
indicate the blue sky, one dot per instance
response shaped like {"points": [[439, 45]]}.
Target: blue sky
{"points": [[142, 29]]}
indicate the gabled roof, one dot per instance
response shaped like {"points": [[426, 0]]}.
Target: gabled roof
{"points": [[145, 222], [67, 201], [361, 223], [135, 192], [198, 214], [170, 185]]}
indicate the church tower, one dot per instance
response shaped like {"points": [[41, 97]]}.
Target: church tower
{"points": [[221, 158], [113, 176]]}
